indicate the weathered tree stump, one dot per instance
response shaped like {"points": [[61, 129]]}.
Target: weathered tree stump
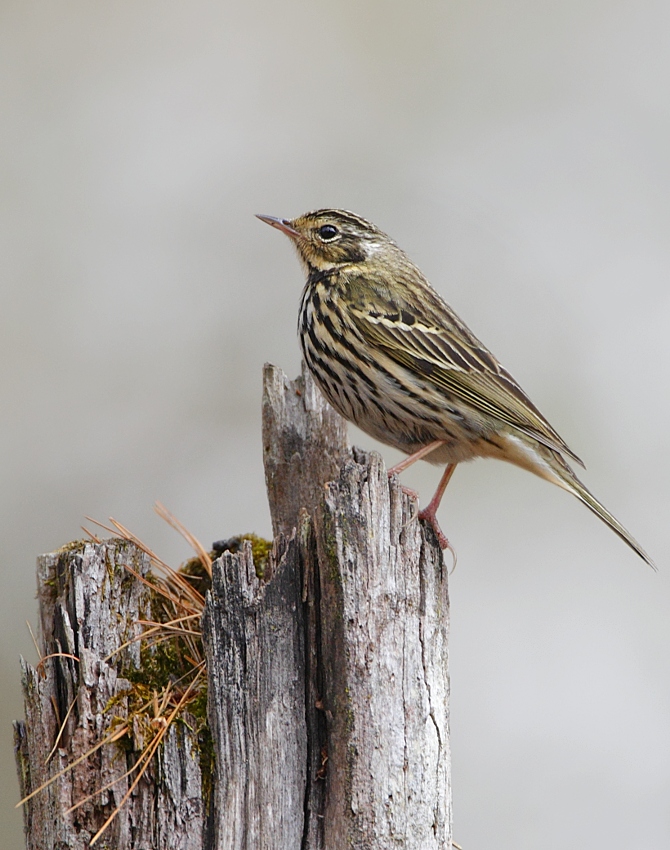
{"points": [[89, 606], [327, 677]]}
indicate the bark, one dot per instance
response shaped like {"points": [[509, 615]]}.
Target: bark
{"points": [[327, 678], [384, 625], [304, 446], [362, 735], [89, 605], [252, 631]]}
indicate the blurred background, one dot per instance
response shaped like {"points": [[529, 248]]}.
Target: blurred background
{"points": [[519, 152]]}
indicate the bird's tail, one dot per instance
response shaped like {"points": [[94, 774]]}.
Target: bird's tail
{"points": [[567, 479]]}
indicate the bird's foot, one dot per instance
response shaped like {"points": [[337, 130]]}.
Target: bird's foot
{"points": [[429, 514], [406, 490]]}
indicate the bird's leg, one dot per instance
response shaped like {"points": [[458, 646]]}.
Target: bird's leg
{"points": [[409, 460], [430, 511]]}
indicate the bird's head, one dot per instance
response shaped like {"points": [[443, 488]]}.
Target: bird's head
{"points": [[326, 239]]}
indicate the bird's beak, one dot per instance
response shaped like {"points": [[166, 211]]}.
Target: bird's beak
{"points": [[281, 224]]}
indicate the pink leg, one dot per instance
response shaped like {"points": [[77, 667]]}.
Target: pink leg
{"points": [[409, 460], [430, 511]]}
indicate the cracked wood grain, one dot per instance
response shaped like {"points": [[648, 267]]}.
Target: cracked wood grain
{"points": [[376, 619], [384, 612], [89, 606], [328, 686]]}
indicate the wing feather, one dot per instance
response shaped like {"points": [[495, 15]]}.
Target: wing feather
{"points": [[440, 348]]}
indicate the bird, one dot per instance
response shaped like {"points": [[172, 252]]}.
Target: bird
{"points": [[391, 356]]}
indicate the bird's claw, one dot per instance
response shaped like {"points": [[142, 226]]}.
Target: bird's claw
{"points": [[406, 490], [411, 493], [430, 517]]}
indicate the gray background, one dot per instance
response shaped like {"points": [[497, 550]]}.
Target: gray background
{"points": [[518, 151]]}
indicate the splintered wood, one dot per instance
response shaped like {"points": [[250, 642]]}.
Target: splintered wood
{"points": [[328, 684], [76, 700]]}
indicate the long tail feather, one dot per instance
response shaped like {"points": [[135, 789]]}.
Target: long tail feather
{"points": [[549, 464], [570, 482]]}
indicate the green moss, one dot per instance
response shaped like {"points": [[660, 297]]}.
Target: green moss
{"points": [[58, 570], [161, 665], [22, 763], [197, 711], [197, 575], [51, 583], [260, 550], [330, 547], [167, 662], [73, 546], [198, 708]]}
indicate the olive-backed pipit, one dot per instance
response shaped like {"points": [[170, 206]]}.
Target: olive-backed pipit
{"points": [[391, 356]]}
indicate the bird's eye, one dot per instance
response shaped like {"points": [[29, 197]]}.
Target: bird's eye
{"points": [[328, 232]]}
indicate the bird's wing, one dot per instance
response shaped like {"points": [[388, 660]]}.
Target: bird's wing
{"points": [[438, 347]]}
